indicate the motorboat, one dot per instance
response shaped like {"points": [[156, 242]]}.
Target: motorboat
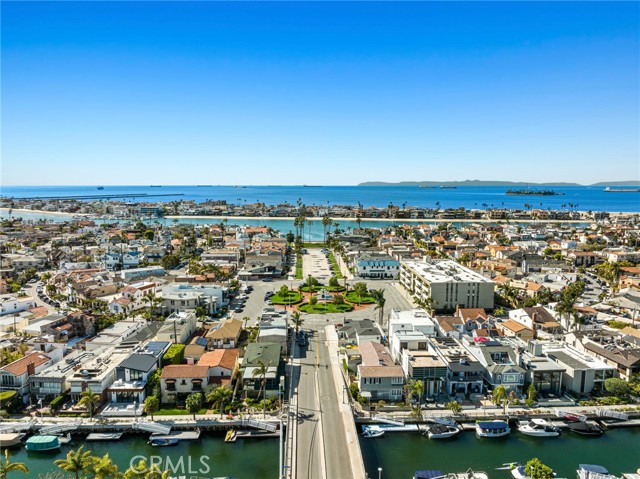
{"points": [[440, 431], [372, 431], [43, 443], [538, 428], [445, 421], [11, 439], [586, 428], [434, 474], [569, 416], [492, 429], [164, 441], [593, 471]]}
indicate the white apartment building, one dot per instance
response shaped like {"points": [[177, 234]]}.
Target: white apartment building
{"points": [[448, 283]]}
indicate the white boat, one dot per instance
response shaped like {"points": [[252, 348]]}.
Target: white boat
{"points": [[538, 428], [434, 474], [592, 471], [11, 439], [440, 431], [373, 432], [492, 429], [445, 421]]}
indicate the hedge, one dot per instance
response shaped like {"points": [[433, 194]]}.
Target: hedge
{"points": [[57, 402], [7, 395], [174, 355]]}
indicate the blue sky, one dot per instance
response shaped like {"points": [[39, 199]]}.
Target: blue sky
{"points": [[320, 93]]}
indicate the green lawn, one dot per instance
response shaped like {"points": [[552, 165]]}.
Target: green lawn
{"points": [[177, 412], [336, 289], [293, 297], [313, 245], [352, 297], [299, 266], [315, 289], [334, 266], [322, 308]]}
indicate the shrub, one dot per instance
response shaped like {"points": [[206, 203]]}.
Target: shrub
{"points": [[174, 355], [58, 401], [617, 387]]}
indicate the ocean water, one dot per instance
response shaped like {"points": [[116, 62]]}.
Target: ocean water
{"points": [[583, 197]]}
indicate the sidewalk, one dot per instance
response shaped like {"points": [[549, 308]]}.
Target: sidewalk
{"points": [[351, 434]]}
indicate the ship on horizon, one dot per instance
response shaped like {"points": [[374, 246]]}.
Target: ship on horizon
{"points": [[610, 189]]}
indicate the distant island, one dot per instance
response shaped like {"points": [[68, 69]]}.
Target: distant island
{"points": [[494, 183]]}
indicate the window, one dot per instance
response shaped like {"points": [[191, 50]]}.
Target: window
{"points": [[183, 382], [397, 381]]}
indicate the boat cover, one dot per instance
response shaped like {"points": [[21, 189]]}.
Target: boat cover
{"points": [[427, 474], [493, 425]]}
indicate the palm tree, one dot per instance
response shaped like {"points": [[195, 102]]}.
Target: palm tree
{"points": [[297, 320], [90, 400], [103, 467], [500, 396], [378, 296], [76, 461], [153, 301], [261, 371], [417, 387], [7, 466], [326, 223], [219, 396]]}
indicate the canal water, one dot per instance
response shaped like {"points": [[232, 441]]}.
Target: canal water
{"points": [[401, 454], [206, 458]]}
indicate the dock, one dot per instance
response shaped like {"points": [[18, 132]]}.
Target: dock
{"points": [[104, 436], [182, 435]]}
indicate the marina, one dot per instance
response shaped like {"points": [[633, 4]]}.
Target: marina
{"points": [[617, 449]]}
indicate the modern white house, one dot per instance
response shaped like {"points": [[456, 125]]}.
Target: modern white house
{"points": [[375, 265], [177, 328], [10, 304], [183, 297], [450, 284]]}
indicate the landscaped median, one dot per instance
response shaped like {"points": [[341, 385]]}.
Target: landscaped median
{"points": [[353, 297], [292, 297], [323, 308]]}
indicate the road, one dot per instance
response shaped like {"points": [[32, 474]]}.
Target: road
{"points": [[322, 450]]}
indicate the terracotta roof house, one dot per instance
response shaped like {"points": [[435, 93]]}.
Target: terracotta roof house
{"points": [[221, 364], [15, 376], [177, 381]]}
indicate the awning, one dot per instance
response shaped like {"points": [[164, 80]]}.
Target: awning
{"points": [[196, 380], [170, 381]]}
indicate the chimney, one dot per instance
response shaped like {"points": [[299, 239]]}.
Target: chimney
{"points": [[31, 369]]}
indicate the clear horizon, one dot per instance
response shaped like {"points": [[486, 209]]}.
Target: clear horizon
{"points": [[333, 94]]}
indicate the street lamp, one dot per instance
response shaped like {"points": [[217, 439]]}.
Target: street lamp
{"points": [[379, 473]]}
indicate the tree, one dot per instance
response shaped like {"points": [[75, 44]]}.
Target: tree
{"points": [[141, 471], [531, 395], [500, 397], [76, 462], [326, 224], [261, 372], [378, 296], [89, 400], [338, 299], [618, 387], [333, 282], [297, 320], [454, 407], [153, 301], [313, 300], [170, 261], [361, 290], [283, 292], [219, 396], [535, 469], [193, 403], [151, 405], [148, 235], [7, 466], [103, 467]]}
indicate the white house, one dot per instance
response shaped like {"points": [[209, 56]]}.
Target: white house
{"points": [[12, 304]]}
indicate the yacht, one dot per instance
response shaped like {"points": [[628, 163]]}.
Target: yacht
{"points": [[440, 431], [538, 428], [492, 429], [589, 428], [592, 471]]}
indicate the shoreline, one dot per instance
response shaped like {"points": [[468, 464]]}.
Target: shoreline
{"points": [[336, 219]]}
